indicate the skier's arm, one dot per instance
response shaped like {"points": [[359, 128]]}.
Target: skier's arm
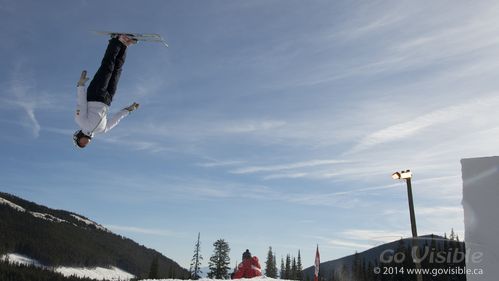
{"points": [[113, 121], [81, 105], [81, 116]]}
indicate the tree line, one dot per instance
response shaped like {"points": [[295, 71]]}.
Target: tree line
{"points": [[31, 273], [437, 254], [219, 263]]}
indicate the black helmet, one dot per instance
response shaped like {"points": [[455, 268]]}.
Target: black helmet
{"points": [[77, 136], [246, 255]]}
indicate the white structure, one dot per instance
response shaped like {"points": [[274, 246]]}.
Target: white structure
{"points": [[481, 216]]}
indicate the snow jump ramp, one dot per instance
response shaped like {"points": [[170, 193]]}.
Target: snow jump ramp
{"points": [[481, 216]]}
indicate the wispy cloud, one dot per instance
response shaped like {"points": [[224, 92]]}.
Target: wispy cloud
{"points": [[23, 94], [213, 164], [251, 126], [136, 144], [133, 229], [289, 166], [409, 128], [441, 210], [348, 244], [374, 236], [20, 89]]}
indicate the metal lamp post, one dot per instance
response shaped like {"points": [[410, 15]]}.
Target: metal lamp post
{"points": [[407, 175]]}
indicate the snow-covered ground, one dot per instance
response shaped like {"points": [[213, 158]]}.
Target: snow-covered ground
{"points": [[263, 278], [19, 260], [97, 273], [15, 206], [89, 222]]}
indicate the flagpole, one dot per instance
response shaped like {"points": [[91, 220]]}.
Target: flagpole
{"points": [[317, 264]]}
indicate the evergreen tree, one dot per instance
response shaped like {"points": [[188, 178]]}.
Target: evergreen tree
{"points": [[282, 275], [220, 260], [271, 268], [171, 273], [287, 270], [195, 269], [344, 273], [452, 235], [275, 266], [294, 271], [370, 275], [154, 270], [299, 267], [359, 268]]}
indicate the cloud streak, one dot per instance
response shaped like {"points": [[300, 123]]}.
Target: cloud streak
{"points": [[20, 88], [412, 127], [23, 94], [141, 230], [214, 164], [290, 166]]}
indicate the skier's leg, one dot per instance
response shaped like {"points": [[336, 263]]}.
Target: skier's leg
{"points": [[115, 77], [98, 88]]}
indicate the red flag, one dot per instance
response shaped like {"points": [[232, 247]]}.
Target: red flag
{"points": [[317, 263]]}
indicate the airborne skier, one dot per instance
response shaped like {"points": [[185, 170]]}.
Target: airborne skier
{"points": [[93, 103]]}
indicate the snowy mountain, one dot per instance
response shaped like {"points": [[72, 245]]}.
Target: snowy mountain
{"points": [[72, 244], [430, 246], [49, 217]]}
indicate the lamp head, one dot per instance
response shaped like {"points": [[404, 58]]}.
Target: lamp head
{"points": [[402, 175]]}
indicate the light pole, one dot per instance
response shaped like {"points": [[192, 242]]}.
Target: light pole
{"points": [[407, 175]]}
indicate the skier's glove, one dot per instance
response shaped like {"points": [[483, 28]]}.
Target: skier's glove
{"points": [[83, 79], [132, 107]]}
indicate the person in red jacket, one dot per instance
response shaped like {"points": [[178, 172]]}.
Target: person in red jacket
{"points": [[248, 268]]}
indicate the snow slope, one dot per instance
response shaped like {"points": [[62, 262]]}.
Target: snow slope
{"points": [[97, 273], [12, 205], [480, 202], [89, 222], [50, 217], [263, 278], [19, 260]]}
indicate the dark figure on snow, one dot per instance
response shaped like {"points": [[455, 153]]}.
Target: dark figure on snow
{"points": [[249, 267], [94, 102]]}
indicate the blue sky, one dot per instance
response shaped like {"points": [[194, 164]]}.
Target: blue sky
{"points": [[266, 123]]}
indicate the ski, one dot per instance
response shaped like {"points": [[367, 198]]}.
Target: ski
{"points": [[146, 37]]}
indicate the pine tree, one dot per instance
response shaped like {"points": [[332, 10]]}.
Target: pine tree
{"points": [[287, 270], [282, 275], [220, 260], [294, 271], [299, 267], [154, 270], [452, 235], [270, 268], [171, 273], [344, 273], [356, 267], [275, 266], [195, 269]]}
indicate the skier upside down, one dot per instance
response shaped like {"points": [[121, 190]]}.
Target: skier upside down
{"points": [[93, 103]]}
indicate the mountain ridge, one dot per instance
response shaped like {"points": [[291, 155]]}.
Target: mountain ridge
{"points": [[343, 268], [64, 238]]}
